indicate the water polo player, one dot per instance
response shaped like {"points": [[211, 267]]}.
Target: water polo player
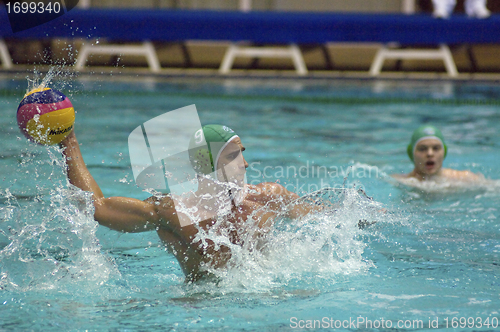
{"points": [[222, 204], [206, 157], [427, 150]]}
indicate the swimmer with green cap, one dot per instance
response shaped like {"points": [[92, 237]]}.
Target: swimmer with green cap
{"points": [[427, 150], [222, 204], [206, 149], [216, 155]]}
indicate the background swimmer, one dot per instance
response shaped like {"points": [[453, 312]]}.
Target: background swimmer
{"points": [[427, 151]]}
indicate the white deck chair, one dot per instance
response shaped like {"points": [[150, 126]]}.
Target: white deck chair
{"points": [[5, 55], [237, 50], [146, 49], [391, 51]]}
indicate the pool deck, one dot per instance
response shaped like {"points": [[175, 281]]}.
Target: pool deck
{"points": [[202, 59], [21, 71]]}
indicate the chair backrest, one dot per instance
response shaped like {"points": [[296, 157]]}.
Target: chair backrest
{"points": [[245, 5], [408, 6], [84, 4]]}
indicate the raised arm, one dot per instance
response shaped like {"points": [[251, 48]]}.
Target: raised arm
{"points": [[118, 213]]}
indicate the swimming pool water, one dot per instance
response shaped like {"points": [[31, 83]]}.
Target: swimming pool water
{"points": [[430, 263]]}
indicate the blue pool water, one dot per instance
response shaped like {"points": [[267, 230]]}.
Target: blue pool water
{"points": [[431, 262]]}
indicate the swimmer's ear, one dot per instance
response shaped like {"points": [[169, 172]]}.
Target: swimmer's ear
{"points": [[409, 150], [445, 150]]}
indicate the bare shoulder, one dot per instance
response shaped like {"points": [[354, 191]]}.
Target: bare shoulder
{"points": [[461, 175], [400, 176], [268, 187], [270, 191]]}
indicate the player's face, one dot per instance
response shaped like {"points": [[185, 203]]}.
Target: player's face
{"points": [[428, 156], [232, 165]]}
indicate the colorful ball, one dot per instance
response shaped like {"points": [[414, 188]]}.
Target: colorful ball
{"points": [[45, 116]]}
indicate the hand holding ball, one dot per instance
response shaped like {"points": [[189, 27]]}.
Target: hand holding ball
{"points": [[45, 116]]}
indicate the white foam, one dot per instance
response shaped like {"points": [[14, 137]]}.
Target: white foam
{"points": [[52, 244], [450, 186], [320, 245]]}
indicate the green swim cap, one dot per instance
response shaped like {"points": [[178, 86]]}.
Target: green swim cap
{"points": [[425, 132], [207, 143]]}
